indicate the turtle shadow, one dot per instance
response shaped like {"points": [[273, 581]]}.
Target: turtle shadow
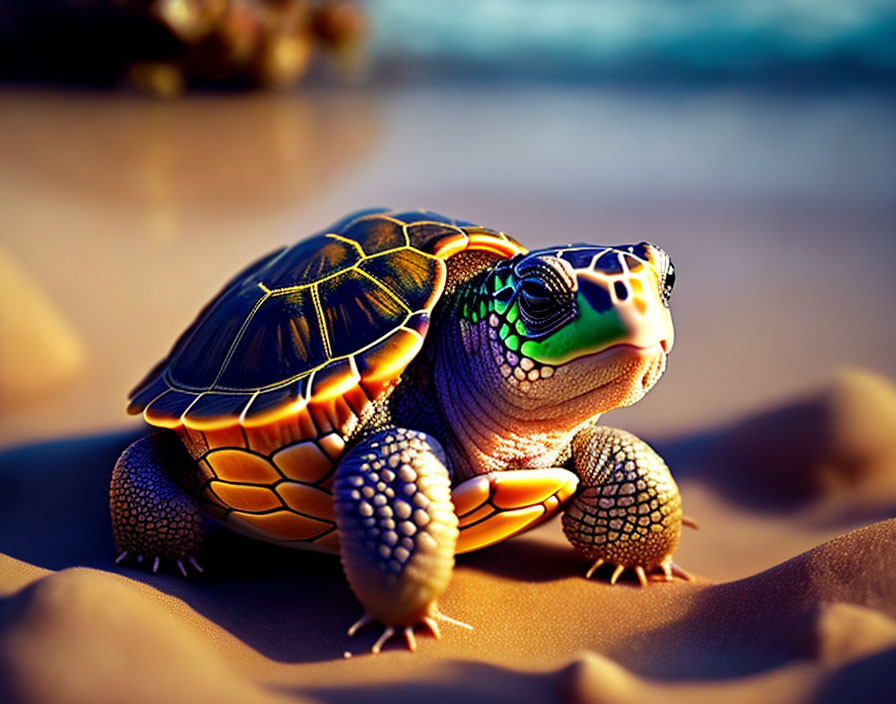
{"points": [[54, 507], [463, 680], [289, 605], [525, 558], [808, 607]]}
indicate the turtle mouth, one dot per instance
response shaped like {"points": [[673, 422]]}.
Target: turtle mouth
{"points": [[593, 384], [624, 372], [631, 351]]}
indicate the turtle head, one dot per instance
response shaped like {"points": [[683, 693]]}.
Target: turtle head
{"points": [[580, 322]]}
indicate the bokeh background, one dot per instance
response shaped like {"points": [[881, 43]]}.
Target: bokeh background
{"points": [[151, 148], [753, 140]]}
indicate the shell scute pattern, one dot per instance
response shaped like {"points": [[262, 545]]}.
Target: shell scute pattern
{"points": [[197, 361], [354, 310], [492, 507], [282, 335], [303, 462], [214, 405], [313, 260], [405, 276], [376, 234], [433, 235], [271, 379], [326, 299], [283, 493]]}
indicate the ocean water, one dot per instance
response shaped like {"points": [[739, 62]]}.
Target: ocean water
{"points": [[659, 39]]}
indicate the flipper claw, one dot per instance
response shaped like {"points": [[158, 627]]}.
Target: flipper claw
{"points": [[432, 626], [409, 637], [689, 522], [406, 631], [616, 573], [154, 562], [442, 617], [667, 570], [679, 571], [359, 624], [597, 563], [642, 576], [640, 570], [386, 635]]}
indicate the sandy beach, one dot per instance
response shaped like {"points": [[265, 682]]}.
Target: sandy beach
{"points": [[777, 414]]}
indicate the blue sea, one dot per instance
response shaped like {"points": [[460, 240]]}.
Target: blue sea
{"points": [[653, 39]]}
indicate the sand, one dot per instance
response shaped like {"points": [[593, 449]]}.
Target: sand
{"points": [[779, 428], [270, 626]]}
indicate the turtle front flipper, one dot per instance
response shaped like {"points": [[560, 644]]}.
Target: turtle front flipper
{"points": [[493, 507], [397, 529], [627, 511], [153, 518]]}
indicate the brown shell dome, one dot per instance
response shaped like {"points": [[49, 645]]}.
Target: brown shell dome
{"points": [[340, 313]]}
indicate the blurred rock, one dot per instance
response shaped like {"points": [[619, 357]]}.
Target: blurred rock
{"points": [[39, 349], [840, 438], [165, 46]]}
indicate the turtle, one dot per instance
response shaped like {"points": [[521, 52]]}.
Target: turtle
{"points": [[402, 387]]}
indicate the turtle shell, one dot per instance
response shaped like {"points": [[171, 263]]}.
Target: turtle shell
{"points": [[330, 322]]}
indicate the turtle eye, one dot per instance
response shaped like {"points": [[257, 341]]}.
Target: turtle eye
{"points": [[535, 297], [668, 283], [545, 295], [542, 307]]}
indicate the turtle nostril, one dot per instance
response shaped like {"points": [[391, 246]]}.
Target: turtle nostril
{"points": [[664, 343], [621, 290]]}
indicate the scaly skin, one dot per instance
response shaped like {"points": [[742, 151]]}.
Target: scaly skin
{"points": [[153, 516], [522, 357], [628, 510], [489, 421], [393, 507]]}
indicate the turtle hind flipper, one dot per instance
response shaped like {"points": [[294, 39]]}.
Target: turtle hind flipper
{"points": [[495, 506], [155, 522]]}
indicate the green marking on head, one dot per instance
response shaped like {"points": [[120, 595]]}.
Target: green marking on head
{"points": [[556, 305], [589, 332], [513, 313]]}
